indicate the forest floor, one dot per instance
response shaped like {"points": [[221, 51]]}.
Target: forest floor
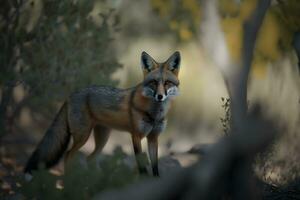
{"points": [[16, 149], [15, 152], [13, 156]]}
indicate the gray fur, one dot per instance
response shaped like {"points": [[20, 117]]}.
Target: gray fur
{"points": [[148, 92], [108, 97], [158, 110], [145, 127], [159, 127]]}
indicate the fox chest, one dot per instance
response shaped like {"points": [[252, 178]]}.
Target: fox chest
{"points": [[153, 120], [146, 126]]}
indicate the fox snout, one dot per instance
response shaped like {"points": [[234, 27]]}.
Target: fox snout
{"points": [[160, 97], [160, 94]]}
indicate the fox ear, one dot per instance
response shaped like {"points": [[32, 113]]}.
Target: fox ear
{"points": [[148, 63], [173, 63]]}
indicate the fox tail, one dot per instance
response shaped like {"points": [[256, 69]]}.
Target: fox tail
{"points": [[53, 144]]}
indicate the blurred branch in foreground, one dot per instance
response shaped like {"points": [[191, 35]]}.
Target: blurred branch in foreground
{"points": [[225, 170]]}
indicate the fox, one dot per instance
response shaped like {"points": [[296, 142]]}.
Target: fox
{"points": [[140, 110]]}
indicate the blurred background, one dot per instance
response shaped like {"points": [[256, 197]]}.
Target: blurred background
{"points": [[51, 48]]}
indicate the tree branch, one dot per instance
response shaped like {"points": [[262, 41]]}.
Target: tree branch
{"points": [[238, 85]]}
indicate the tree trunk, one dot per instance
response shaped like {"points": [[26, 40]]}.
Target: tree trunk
{"points": [[296, 45], [6, 97]]}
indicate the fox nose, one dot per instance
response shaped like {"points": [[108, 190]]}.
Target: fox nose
{"points": [[159, 97]]}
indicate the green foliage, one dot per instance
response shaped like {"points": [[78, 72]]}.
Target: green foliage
{"points": [[82, 180], [41, 187], [70, 50], [53, 48]]}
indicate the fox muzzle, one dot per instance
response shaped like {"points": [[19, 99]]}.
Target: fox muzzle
{"points": [[160, 97]]}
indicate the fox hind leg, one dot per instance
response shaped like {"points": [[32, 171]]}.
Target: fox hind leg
{"points": [[101, 135], [78, 142], [80, 125]]}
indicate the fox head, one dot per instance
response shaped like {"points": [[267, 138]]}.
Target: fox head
{"points": [[160, 79]]}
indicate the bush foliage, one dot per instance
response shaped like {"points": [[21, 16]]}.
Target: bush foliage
{"points": [[82, 180], [52, 48]]}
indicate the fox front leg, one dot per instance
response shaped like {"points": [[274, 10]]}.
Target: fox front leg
{"points": [[137, 147], [152, 149]]}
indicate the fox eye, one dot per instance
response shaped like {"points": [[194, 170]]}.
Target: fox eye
{"points": [[153, 84], [168, 83]]}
